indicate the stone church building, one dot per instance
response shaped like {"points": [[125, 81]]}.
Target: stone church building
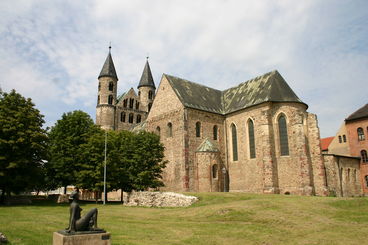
{"points": [[255, 137]]}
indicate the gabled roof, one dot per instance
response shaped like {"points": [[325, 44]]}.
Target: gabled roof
{"points": [[108, 69], [146, 78], [359, 114], [325, 143], [270, 87], [207, 146], [196, 96]]}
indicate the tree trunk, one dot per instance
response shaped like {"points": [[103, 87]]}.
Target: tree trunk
{"points": [[2, 197], [96, 196], [65, 190], [121, 196]]}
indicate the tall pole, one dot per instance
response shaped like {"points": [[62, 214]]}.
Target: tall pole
{"points": [[105, 195]]}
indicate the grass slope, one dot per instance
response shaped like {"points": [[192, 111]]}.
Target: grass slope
{"points": [[218, 218]]}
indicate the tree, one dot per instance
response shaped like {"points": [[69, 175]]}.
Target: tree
{"points": [[22, 143], [67, 137]]}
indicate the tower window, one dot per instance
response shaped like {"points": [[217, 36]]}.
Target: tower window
{"points": [[111, 86], [366, 180], [99, 86], [360, 134], [131, 103], [284, 143], [158, 130], [215, 129], [340, 140], [98, 99], [150, 95], [122, 117], [252, 145], [139, 118], [235, 142], [344, 138], [137, 105], [149, 106], [125, 103], [169, 129], [111, 98], [198, 129], [214, 171], [363, 154], [139, 93], [131, 116]]}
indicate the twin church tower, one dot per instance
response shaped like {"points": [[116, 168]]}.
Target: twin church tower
{"points": [[122, 112]]}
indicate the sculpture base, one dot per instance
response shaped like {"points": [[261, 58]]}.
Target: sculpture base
{"points": [[81, 238]]}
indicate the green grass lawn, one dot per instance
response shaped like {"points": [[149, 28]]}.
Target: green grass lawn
{"points": [[218, 218]]}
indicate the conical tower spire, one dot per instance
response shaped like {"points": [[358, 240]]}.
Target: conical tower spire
{"points": [[146, 78], [108, 69]]}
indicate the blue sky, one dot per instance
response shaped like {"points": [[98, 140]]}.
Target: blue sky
{"points": [[53, 51]]}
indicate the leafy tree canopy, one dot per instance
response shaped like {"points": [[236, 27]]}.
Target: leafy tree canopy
{"points": [[22, 143]]}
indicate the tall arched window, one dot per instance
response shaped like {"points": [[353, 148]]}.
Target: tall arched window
{"points": [[344, 138], [283, 134], [252, 145], [98, 99], [137, 105], [122, 117], [169, 129], [150, 95], [111, 86], [110, 99], [139, 118], [214, 171], [366, 180], [131, 117], [99, 86], [125, 103], [215, 130], [234, 142], [360, 134], [363, 154], [198, 129], [158, 131], [131, 103], [340, 139]]}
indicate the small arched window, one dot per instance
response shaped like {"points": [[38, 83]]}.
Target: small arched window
{"points": [[169, 129], [139, 118], [125, 103], [214, 171], [252, 145], [149, 106], [363, 154], [122, 117], [137, 105], [111, 86], [366, 180], [340, 139], [234, 142], [139, 93], [215, 130], [150, 95], [344, 138], [131, 116], [98, 99], [360, 134], [198, 129], [110, 99], [99, 86], [131, 103], [158, 131], [283, 134]]}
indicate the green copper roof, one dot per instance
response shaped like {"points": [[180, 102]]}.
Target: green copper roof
{"points": [[207, 146], [270, 87], [146, 78], [108, 69]]}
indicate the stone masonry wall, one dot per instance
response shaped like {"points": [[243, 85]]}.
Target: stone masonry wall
{"points": [[343, 175]]}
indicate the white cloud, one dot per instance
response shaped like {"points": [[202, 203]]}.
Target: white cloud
{"points": [[317, 46]]}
